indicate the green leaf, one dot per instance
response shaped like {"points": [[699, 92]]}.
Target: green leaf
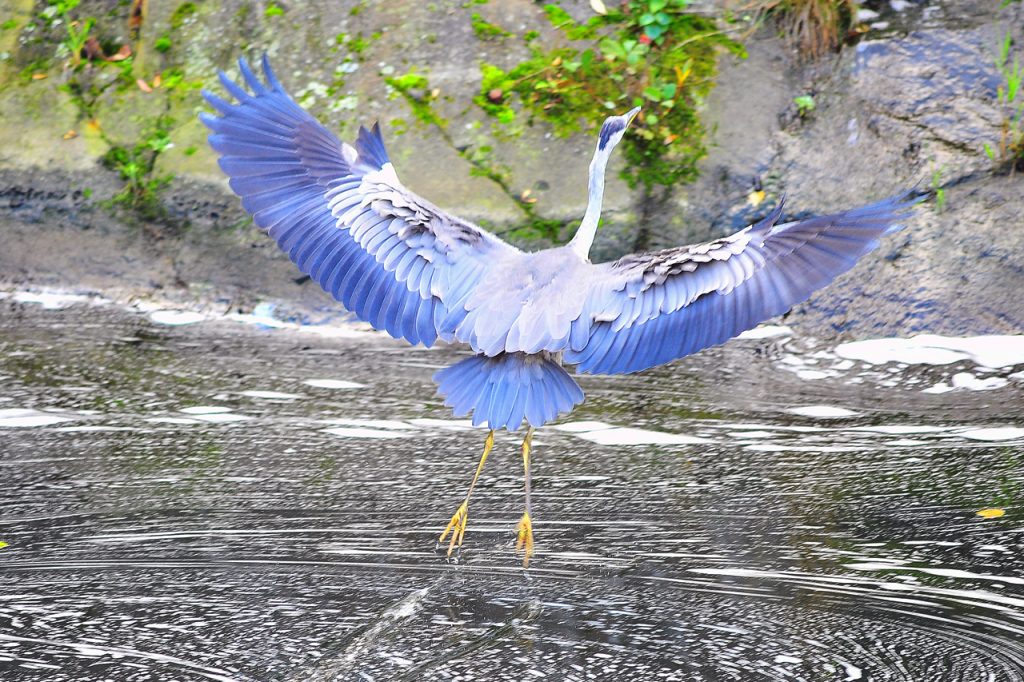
{"points": [[653, 93], [654, 31], [804, 104], [989, 152], [557, 16], [612, 48]]}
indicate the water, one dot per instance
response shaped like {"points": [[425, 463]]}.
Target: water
{"points": [[216, 501]]}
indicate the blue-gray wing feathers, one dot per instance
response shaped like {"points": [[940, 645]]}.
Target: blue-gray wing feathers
{"points": [[649, 309], [341, 214], [403, 265]]}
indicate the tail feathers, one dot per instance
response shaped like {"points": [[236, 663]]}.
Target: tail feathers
{"points": [[505, 390]]}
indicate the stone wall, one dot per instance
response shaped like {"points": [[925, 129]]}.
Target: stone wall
{"points": [[913, 102]]}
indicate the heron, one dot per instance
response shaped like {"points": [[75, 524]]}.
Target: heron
{"points": [[408, 268]]}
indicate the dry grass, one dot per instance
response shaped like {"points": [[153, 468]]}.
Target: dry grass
{"points": [[814, 27]]}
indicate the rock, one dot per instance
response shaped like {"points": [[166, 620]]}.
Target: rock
{"points": [[908, 104]]}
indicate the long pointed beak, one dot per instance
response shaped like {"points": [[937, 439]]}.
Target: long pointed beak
{"points": [[631, 114]]}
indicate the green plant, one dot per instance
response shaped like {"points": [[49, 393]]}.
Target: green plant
{"points": [[76, 32], [1010, 98], [415, 89], [652, 53], [136, 165], [93, 78], [273, 10], [484, 29], [938, 190], [813, 26], [804, 105], [182, 13]]}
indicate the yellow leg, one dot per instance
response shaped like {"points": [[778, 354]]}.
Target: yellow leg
{"points": [[524, 531], [457, 526]]}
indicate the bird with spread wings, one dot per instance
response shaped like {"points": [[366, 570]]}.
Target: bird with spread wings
{"points": [[409, 268]]}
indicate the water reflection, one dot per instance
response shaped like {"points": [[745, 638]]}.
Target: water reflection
{"points": [[209, 501]]}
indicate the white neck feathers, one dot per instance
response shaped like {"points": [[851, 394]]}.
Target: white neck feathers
{"points": [[584, 237]]}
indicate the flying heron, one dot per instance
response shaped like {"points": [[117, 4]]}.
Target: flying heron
{"points": [[409, 268]]}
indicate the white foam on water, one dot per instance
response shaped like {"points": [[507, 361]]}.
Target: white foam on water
{"points": [[942, 572], [13, 418], [176, 317], [766, 331], [332, 383], [772, 447], [580, 427], [263, 316], [632, 436], [371, 423], [222, 417], [171, 420], [774, 427], [159, 313], [968, 381], [931, 349], [271, 395], [823, 412], [55, 300], [853, 673], [993, 434], [448, 424], [900, 429], [205, 409], [752, 434], [973, 383], [355, 432]]}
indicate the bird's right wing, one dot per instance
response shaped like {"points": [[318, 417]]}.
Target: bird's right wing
{"points": [[341, 214], [647, 309]]}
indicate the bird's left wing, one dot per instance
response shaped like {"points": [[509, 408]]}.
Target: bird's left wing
{"points": [[341, 214], [647, 309]]}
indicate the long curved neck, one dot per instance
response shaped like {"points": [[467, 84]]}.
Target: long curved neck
{"points": [[584, 238]]}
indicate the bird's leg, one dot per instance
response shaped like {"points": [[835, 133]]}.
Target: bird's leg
{"points": [[524, 531], [457, 526]]}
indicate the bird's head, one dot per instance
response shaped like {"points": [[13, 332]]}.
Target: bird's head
{"points": [[613, 129]]}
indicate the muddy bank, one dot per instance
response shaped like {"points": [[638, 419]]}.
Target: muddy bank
{"points": [[912, 102]]}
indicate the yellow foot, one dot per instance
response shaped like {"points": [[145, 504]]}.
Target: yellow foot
{"points": [[524, 539], [457, 527]]}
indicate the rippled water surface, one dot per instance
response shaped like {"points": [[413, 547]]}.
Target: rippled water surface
{"points": [[216, 501]]}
